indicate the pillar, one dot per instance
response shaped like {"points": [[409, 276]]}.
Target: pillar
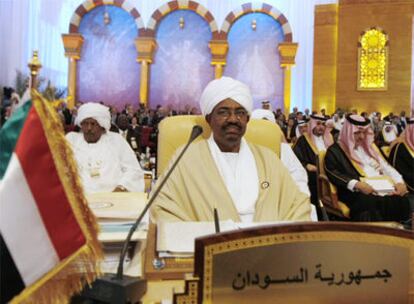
{"points": [[219, 49], [146, 47], [73, 46], [287, 51]]}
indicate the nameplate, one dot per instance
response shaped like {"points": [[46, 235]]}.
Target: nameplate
{"points": [[306, 266]]}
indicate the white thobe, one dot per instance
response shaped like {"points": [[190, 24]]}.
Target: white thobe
{"points": [[296, 170], [239, 173], [106, 164], [389, 137], [319, 143]]}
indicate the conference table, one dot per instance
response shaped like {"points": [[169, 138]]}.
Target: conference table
{"points": [[115, 212], [357, 245]]}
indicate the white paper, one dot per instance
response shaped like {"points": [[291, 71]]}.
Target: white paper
{"points": [[177, 238], [381, 186], [117, 205], [132, 267]]}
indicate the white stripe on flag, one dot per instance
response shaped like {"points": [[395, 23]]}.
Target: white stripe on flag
{"points": [[22, 227]]}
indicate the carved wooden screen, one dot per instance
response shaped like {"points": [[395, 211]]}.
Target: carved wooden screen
{"points": [[373, 60]]}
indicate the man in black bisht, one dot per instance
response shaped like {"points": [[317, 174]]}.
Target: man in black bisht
{"points": [[402, 155], [350, 165], [307, 148]]}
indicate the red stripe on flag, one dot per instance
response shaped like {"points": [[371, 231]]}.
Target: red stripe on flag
{"points": [[39, 168]]}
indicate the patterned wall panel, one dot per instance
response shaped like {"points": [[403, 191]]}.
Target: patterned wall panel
{"points": [[108, 70], [253, 57], [181, 67]]}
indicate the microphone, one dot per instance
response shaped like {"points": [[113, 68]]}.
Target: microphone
{"points": [[325, 216], [216, 221], [322, 208], [124, 289]]}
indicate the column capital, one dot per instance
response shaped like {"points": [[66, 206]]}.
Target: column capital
{"points": [[73, 45], [146, 47], [219, 49], [287, 51]]}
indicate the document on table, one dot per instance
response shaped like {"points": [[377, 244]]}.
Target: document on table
{"points": [[176, 239]]}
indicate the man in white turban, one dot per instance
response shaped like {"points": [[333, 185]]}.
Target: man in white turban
{"points": [[105, 161], [243, 181]]}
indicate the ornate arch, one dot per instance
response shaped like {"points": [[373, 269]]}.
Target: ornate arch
{"points": [[181, 5], [248, 8], [89, 5]]}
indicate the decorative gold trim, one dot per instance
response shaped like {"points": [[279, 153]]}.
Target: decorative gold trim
{"points": [[190, 296], [395, 156], [82, 267], [310, 143], [284, 238], [374, 146], [408, 148], [353, 163], [358, 168]]}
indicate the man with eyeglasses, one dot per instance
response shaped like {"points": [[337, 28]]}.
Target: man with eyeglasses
{"points": [[244, 181]]}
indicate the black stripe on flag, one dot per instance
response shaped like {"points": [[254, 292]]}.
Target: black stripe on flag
{"points": [[11, 283]]}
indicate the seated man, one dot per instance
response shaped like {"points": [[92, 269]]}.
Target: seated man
{"points": [[126, 131], [402, 155], [245, 182], [105, 161], [301, 128], [317, 138], [355, 157], [388, 135]]}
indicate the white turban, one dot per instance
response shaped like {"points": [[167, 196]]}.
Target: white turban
{"points": [[263, 114], [225, 87], [96, 111]]}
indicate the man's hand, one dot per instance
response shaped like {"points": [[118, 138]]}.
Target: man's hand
{"points": [[364, 188], [311, 168], [120, 188], [400, 189]]}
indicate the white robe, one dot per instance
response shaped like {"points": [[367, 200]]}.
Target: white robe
{"points": [[296, 170], [106, 164], [319, 143], [239, 173]]}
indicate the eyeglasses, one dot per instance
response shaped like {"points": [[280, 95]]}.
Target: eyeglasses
{"points": [[226, 113]]}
